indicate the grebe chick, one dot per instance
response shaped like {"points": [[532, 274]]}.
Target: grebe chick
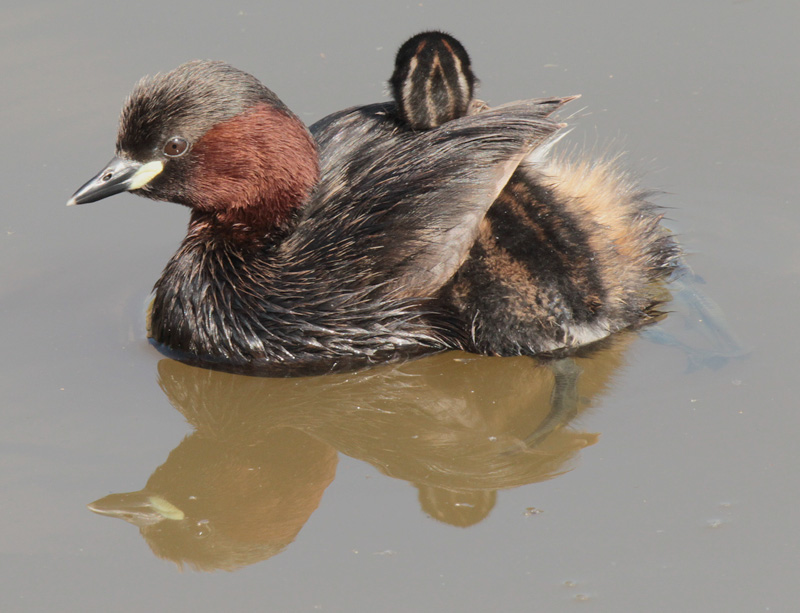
{"points": [[306, 256], [432, 81], [569, 253]]}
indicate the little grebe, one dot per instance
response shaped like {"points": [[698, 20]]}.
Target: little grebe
{"points": [[568, 253], [432, 81], [303, 256]]}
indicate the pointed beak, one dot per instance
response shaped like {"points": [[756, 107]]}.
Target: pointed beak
{"points": [[138, 508], [119, 175]]}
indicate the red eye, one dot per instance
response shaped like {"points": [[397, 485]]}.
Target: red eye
{"points": [[176, 146]]}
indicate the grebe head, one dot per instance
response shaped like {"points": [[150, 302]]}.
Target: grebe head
{"points": [[213, 138], [432, 81]]}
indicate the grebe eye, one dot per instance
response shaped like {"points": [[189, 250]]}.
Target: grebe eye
{"points": [[176, 146]]}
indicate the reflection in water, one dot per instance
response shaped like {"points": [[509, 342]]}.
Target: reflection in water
{"points": [[457, 426], [223, 503]]}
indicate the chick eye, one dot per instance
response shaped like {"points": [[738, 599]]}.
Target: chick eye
{"points": [[176, 146]]}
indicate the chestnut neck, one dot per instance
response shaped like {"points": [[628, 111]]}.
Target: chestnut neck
{"points": [[253, 172]]}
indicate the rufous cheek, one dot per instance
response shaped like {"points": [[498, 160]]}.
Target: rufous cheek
{"points": [[250, 167]]}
